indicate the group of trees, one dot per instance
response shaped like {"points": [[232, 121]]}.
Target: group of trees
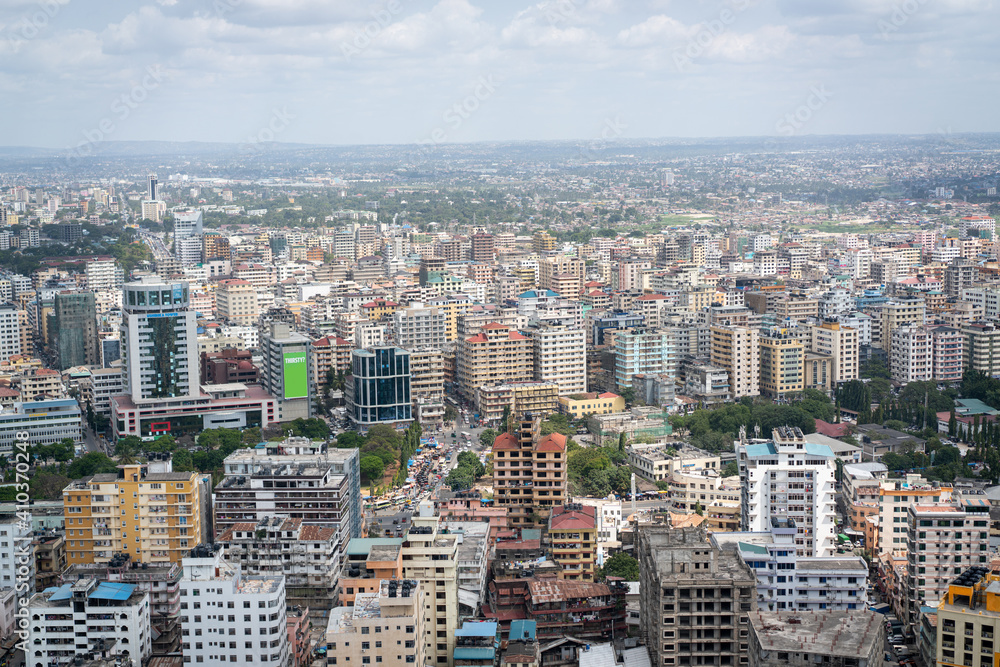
{"points": [[598, 471], [468, 470], [381, 448], [714, 430]]}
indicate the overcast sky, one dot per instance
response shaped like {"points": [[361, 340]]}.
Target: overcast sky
{"points": [[405, 71]]}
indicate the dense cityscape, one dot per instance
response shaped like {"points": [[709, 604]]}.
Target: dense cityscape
{"points": [[502, 405]]}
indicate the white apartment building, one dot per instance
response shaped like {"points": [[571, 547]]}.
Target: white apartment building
{"points": [[898, 313], [761, 242], [801, 583], [10, 331], [859, 263], [986, 301], [104, 274], [100, 386], [229, 617], [70, 620], [561, 356], [737, 349], [894, 499], [15, 539], [418, 326], [788, 477], [860, 322], [910, 354]]}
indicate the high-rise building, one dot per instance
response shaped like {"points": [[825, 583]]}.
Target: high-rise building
{"points": [[76, 341], [10, 332], [529, 473], [781, 363], [257, 603], [418, 326], [567, 271], [104, 274], [814, 584], [160, 525], [378, 389], [236, 302], [497, 355], [968, 620], [572, 533], [151, 190], [328, 483], [685, 585], [840, 343], [943, 540], [431, 557], [640, 352], [84, 608], [911, 354], [481, 248], [560, 356], [791, 478], [898, 313], [159, 335], [394, 613], [307, 554], [737, 349], [287, 371]]}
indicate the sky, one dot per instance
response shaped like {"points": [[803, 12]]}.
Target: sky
{"points": [[442, 71]]}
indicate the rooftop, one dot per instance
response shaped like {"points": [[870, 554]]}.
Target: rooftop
{"points": [[847, 634]]}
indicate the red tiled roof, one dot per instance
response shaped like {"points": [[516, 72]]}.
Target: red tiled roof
{"points": [[478, 338], [608, 394], [516, 336], [553, 442], [495, 325], [505, 441], [833, 430]]}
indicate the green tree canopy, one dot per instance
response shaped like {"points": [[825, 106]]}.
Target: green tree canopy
{"points": [[372, 467], [620, 565]]}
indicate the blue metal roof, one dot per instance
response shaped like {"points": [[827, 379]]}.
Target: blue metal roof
{"points": [[63, 592], [467, 653], [112, 591], [818, 450], [477, 629], [763, 449], [522, 629]]}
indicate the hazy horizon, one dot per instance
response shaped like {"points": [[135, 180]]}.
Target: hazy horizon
{"points": [[403, 72]]}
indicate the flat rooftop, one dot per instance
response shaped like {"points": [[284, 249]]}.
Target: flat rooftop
{"points": [[846, 634]]}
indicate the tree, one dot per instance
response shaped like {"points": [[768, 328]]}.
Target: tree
{"points": [[628, 393], [621, 442], [450, 413], [731, 469], [372, 467], [460, 479], [505, 420], [620, 565], [128, 446], [349, 440], [91, 463], [487, 437], [472, 461], [698, 509]]}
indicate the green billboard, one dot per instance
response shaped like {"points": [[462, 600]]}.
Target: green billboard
{"points": [[296, 375]]}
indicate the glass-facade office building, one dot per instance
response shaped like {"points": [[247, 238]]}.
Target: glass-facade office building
{"points": [[380, 391]]}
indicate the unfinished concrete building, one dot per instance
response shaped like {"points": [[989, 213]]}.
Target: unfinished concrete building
{"points": [[802, 638], [694, 599]]}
